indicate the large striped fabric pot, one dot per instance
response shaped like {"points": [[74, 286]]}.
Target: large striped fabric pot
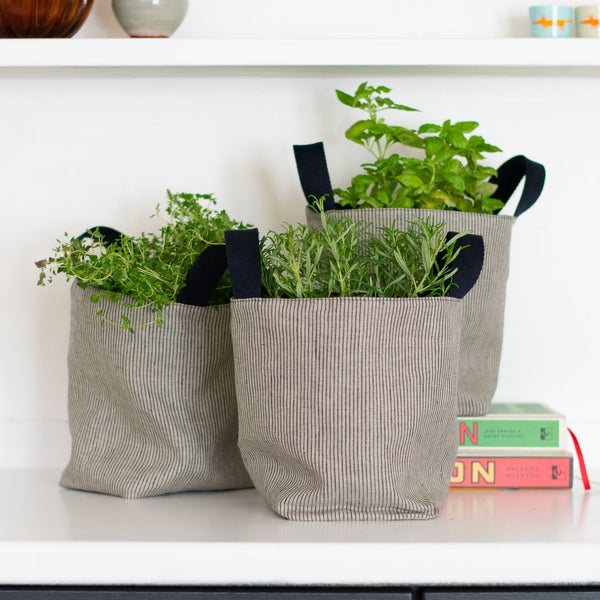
{"points": [[154, 411], [484, 307], [483, 311]]}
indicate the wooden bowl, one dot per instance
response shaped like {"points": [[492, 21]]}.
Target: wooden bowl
{"points": [[42, 18]]}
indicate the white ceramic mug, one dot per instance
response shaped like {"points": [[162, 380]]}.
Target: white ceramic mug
{"points": [[586, 21]]}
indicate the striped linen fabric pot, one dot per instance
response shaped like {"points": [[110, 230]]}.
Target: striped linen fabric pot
{"points": [[347, 406], [484, 307], [154, 411]]}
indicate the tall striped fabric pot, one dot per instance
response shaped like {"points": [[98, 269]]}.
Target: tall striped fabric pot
{"points": [[484, 307], [154, 411], [347, 406], [483, 312]]}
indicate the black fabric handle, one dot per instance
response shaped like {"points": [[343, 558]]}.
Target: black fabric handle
{"points": [[202, 279], [314, 175], [468, 263], [510, 175], [109, 235], [243, 257]]}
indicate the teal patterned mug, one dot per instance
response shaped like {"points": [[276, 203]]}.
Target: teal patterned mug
{"points": [[551, 21]]}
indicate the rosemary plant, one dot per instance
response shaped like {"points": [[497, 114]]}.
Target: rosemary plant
{"points": [[343, 259]]}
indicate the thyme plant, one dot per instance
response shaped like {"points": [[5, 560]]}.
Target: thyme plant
{"points": [[148, 269]]}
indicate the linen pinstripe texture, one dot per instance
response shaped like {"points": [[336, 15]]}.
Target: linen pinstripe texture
{"points": [[347, 406], [483, 309], [151, 412]]}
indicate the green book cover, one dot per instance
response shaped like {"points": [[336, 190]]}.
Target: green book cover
{"points": [[514, 425]]}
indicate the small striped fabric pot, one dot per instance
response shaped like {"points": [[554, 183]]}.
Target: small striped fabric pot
{"points": [[347, 406], [151, 412]]}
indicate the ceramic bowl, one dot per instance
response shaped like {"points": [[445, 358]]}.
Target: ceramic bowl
{"points": [[150, 18], [42, 18]]}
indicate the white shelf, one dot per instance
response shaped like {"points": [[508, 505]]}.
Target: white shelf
{"points": [[514, 52], [50, 535]]}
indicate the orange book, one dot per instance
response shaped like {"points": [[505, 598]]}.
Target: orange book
{"points": [[512, 469]]}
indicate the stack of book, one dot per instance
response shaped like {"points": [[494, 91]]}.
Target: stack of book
{"points": [[516, 445]]}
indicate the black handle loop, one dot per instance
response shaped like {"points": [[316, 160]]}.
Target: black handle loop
{"points": [[109, 235], [202, 279], [243, 257], [468, 264], [314, 174], [510, 175]]}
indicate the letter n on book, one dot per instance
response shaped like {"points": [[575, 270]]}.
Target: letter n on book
{"points": [[472, 435]]}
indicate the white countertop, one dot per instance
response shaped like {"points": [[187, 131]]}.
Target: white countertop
{"points": [[51, 535]]}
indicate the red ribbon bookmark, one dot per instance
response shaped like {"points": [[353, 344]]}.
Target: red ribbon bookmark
{"points": [[584, 476]]}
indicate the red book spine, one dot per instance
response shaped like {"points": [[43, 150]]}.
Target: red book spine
{"points": [[513, 472]]}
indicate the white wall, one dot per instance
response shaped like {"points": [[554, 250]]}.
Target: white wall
{"points": [[337, 18], [81, 147]]}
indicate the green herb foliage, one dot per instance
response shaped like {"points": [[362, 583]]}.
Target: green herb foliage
{"points": [[344, 259], [150, 269], [447, 176]]}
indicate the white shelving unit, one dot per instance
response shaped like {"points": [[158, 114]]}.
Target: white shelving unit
{"points": [[52, 536], [513, 52]]}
